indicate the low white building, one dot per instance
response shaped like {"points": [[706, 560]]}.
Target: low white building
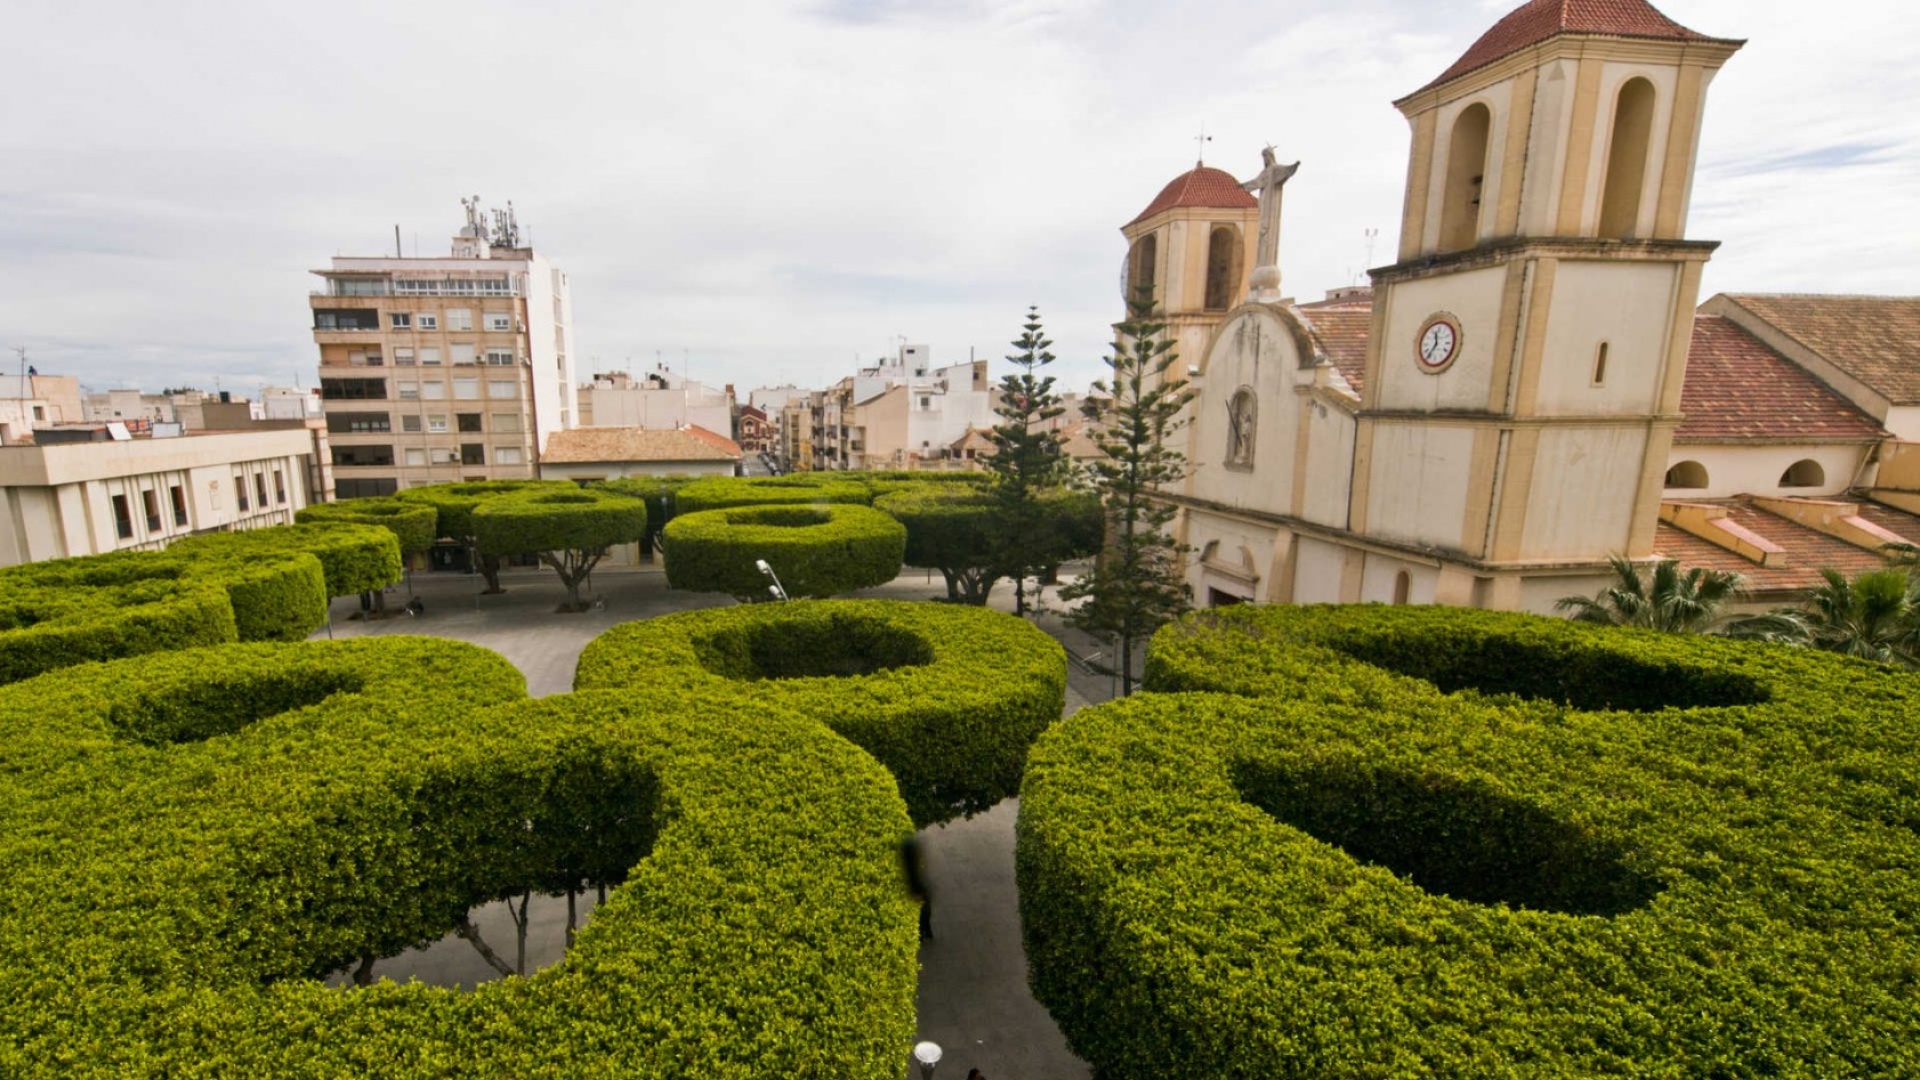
{"points": [[601, 453], [113, 492]]}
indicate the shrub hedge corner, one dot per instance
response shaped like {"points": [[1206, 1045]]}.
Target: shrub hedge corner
{"points": [[414, 523], [817, 551], [1400, 842], [948, 698]]}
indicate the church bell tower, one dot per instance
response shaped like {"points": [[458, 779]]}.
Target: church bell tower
{"points": [[1192, 248], [1527, 349]]}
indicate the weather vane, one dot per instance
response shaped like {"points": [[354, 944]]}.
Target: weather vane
{"points": [[1202, 140]]}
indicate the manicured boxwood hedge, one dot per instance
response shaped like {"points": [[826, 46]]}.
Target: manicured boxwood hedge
{"points": [[947, 698], [455, 503], [355, 558], [193, 838], [1343, 869], [415, 524], [720, 492], [817, 551], [660, 493], [555, 520], [69, 611]]}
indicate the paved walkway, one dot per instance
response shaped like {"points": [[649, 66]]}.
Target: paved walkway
{"points": [[973, 998]]}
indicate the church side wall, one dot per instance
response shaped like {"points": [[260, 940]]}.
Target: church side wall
{"points": [[1585, 482]]}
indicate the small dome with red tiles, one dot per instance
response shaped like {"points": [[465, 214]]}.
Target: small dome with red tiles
{"points": [[1213, 189], [1538, 20]]}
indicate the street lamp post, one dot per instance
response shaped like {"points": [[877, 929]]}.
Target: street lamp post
{"points": [[927, 1054], [776, 590]]}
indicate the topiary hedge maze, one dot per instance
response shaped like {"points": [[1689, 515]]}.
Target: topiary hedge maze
{"points": [[721, 492], [817, 551], [194, 838], [947, 698], [69, 611], [355, 558], [414, 523], [1439, 843]]}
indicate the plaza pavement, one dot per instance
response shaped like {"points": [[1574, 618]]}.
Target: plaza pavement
{"points": [[973, 998]]}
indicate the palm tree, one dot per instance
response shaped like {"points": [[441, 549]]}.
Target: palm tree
{"points": [[1876, 616], [1675, 600]]}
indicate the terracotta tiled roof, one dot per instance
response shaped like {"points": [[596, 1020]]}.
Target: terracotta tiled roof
{"points": [[1538, 20], [1807, 550], [1205, 187], [1875, 339], [594, 445], [1342, 331], [1739, 389]]}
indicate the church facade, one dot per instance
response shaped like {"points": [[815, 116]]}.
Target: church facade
{"points": [[1507, 405]]}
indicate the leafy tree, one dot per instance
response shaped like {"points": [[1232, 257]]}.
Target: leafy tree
{"points": [[1135, 586], [1026, 461], [1671, 599], [570, 530], [1875, 616]]}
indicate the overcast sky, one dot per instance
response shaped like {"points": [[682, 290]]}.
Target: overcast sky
{"points": [[771, 190]]}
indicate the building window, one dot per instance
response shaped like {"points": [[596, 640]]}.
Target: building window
{"points": [[39, 412], [1402, 588], [353, 389], [403, 357], [437, 424], [365, 489], [409, 423], [240, 491], [1600, 364], [433, 391], [427, 320], [416, 456], [507, 455], [122, 518], [400, 320], [472, 454], [1241, 414], [459, 319], [1143, 268], [150, 502], [461, 353], [1627, 153], [406, 391], [350, 319], [440, 455], [500, 357], [1686, 476], [468, 421], [279, 488], [1223, 266], [506, 422], [358, 423], [466, 389], [499, 324], [1801, 474], [503, 388], [179, 497], [430, 357], [1466, 177], [260, 486]]}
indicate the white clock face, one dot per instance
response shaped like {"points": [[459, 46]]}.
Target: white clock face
{"points": [[1439, 340]]}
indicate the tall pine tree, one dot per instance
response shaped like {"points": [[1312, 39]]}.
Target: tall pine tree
{"points": [[1135, 586], [1026, 461]]}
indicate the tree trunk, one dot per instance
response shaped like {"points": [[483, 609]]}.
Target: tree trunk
{"points": [[363, 976], [570, 918], [471, 933], [520, 931], [490, 570]]}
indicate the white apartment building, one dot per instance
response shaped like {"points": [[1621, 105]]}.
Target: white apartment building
{"points": [[658, 400], [108, 491], [436, 370], [900, 414], [33, 400]]}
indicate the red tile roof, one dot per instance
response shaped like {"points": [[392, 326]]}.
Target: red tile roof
{"points": [[607, 445], [1807, 550], [1875, 339], [1738, 389], [1538, 20], [1214, 189], [1342, 329]]}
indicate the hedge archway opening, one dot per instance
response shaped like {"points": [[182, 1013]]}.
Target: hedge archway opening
{"points": [[838, 647], [1452, 837]]}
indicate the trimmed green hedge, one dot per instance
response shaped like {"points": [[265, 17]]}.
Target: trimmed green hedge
{"points": [[194, 838], [658, 492], [455, 503], [947, 698], [818, 551], [555, 520], [355, 558], [721, 492], [69, 611], [415, 524], [1400, 846], [947, 524]]}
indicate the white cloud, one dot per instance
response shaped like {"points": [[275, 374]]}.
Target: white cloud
{"points": [[777, 187]]}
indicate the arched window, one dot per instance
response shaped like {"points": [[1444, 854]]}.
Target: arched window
{"points": [[1627, 160], [1145, 270], [1687, 475], [1803, 473], [1466, 176], [1402, 588], [1241, 415], [1223, 267]]}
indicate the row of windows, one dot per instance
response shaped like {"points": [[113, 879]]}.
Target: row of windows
{"points": [[458, 319], [424, 456], [1692, 476], [414, 423], [465, 388], [459, 354], [150, 506]]}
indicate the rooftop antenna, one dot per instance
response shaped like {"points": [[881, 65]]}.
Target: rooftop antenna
{"points": [[396, 242], [1202, 139], [22, 350], [1372, 235]]}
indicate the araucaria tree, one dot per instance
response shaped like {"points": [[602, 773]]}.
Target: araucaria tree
{"points": [[1026, 461], [1135, 586]]}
